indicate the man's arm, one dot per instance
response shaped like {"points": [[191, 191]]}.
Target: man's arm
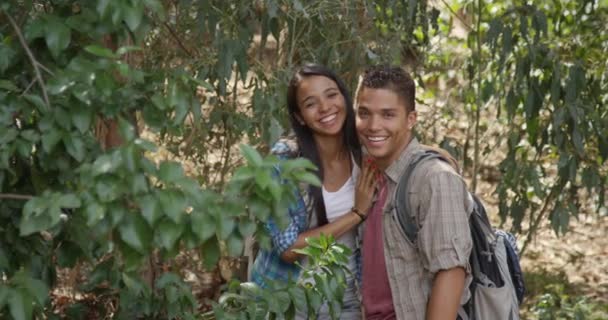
{"points": [[444, 301]]}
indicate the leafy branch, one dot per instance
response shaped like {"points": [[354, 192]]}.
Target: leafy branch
{"points": [[33, 60]]}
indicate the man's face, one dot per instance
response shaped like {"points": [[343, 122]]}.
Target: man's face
{"points": [[383, 124]]}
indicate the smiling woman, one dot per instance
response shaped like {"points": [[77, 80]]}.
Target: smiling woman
{"points": [[323, 121]]}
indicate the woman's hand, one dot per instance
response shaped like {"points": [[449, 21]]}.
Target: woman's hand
{"points": [[366, 184]]}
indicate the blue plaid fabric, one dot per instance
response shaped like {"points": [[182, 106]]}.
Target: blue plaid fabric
{"points": [[268, 264]]}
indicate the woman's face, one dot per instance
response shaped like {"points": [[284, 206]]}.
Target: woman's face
{"points": [[322, 106]]}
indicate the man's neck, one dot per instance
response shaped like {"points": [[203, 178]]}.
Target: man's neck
{"points": [[383, 164]]}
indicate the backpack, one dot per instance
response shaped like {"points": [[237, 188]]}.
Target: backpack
{"points": [[498, 287]]}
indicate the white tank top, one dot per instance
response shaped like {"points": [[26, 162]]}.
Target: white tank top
{"points": [[340, 202]]}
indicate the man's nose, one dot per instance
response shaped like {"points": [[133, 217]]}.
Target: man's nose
{"points": [[373, 123]]}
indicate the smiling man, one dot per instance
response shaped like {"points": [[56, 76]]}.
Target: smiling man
{"points": [[428, 279]]}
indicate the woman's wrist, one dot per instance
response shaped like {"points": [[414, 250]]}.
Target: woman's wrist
{"points": [[358, 213]]}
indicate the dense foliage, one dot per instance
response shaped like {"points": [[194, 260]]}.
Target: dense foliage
{"points": [[85, 85]]}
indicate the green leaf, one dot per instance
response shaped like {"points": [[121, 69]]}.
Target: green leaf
{"points": [[263, 178], [57, 35], [5, 292], [94, 213], [203, 225], [243, 174], [107, 189], [167, 233], [556, 85], [134, 284], [69, 201], [210, 252], [157, 7], [225, 226], [100, 51], [145, 145], [247, 227], [133, 15], [235, 245], [103, 7], [136, 233], [127, 132], [7, 85], [173, 204], [107, 163], [50, 139], [139, 184], [308, 177], [150, 208], [170, 171], [82, 117], [577, 140], [20, 305], [298, 163], [36, 289], [560, 219], [252, 155], [74, 146]]}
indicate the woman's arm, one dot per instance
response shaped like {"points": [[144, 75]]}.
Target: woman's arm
{"points": [[364, 192]]}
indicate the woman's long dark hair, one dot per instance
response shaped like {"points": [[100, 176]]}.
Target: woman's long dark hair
{"points": [[308, 148]]}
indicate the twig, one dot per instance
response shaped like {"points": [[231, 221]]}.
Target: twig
{"points": [[29, 86], [15, 196], [45, 68], [33, 60], [479, 98], [457, 15], [541, 215], [178, 40]]}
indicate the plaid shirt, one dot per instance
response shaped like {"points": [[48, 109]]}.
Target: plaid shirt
{"points": [[268, 264], [444, 239]]}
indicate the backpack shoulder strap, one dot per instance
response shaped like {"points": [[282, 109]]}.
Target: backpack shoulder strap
{"points": [[402, 205]]}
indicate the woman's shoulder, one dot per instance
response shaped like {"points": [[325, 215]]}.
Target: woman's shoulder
{"points": [[286, 147]]}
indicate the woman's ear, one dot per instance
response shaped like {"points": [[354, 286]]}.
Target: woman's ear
{"points": [[299, 119]]}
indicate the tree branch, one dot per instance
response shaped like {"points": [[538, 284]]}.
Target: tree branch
{"points": [[454, 13], [178, 40], [534, 226], [15, 196], [33, 60]]}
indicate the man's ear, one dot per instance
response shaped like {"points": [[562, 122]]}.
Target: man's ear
{"points": [[412, 117]]}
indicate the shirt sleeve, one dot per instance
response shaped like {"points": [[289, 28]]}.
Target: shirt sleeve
{"points": [[444, 236], [282, 239]]}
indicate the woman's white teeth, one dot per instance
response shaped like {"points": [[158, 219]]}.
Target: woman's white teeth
{"points": [[377, 138], [328, 118]]}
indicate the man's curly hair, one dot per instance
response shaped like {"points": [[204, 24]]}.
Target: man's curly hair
{"points": [[392, 78]]}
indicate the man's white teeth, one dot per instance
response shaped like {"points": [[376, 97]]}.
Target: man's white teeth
{"points": [[375, 139], [328, 118]]}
